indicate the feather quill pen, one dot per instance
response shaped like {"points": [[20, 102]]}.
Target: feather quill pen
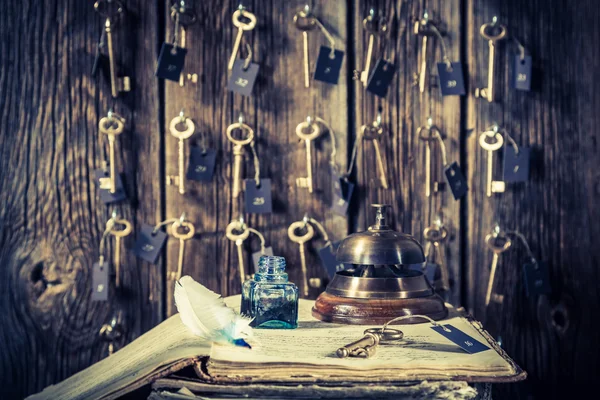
{"points": [[205, 313]]}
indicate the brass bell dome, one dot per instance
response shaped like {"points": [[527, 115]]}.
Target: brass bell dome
{"points": [[380, 245]]}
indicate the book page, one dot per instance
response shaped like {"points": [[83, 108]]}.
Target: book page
{"points": [[315, 343]]}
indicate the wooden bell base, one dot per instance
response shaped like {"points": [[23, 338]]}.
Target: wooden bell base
{"points": [[345, 310]]}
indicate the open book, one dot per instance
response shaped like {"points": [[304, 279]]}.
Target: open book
{"points": [[306, 354]]}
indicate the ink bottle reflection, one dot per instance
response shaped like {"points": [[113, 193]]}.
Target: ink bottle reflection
{"points": [[269, 297]]}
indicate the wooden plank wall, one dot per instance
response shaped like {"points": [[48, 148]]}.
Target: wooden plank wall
{"points": [[51, 219]]}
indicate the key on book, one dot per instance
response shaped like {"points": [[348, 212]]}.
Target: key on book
{"points": [[367, 345]]}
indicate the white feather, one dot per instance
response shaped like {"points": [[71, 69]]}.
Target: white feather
{"points": [[205, 313]]}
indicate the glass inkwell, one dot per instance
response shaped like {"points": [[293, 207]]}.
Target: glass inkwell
{"points": [[269, 297], [381, 284]]}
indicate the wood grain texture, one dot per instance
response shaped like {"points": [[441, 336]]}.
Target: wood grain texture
{"points": [[555, 209], [404, 110], [279, 104], [51, 218]]}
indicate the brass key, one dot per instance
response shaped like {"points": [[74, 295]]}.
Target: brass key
{"points": [[305, 22], [367, 345], [498, 242], [179, 180], [314, 133], [491, 185], [435, 234], [421, 28], [111, 10], [238, 238], [488, 92], [112, 126], [177, 225], [118, 234], [373, 133], [184, 17], [242, 27], [301, 240], [238, 152], [373, 25], [434, 133]]}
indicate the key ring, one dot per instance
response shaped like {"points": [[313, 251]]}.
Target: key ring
{"points": [[388, 335], [435, 234], [304, 20], [123, 232], [310, 232], [237, 225], [430, 128], [186, 15], [491, 146], [189, 127], [244, 128], [315, 131], [491, 240], [245, 26], [371, 132], [113, 124], [373, 24], [490, 25], [182, 224], [109, 8]]}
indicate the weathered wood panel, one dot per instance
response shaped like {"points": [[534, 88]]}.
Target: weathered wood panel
{"points": [[404, 110], [51, 218], [549, 336], [279, 104]]}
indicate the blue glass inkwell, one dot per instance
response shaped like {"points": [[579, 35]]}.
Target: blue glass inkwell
{"points": [[269, 297]]}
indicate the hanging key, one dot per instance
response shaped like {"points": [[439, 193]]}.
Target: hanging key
{"points": [[432, 132], [313, 132], [112, 126], [491, 185], [183, 17], [487, 31], [111, 333], [188, 233], [435, 235], [112, 10], [367, 345], [238, 152], [118, 234], [301, 240], [374, 25], [373, 133], [181, 135], [422, 28], [242, 27], [304, 22], [238, 238], [498, 242]]}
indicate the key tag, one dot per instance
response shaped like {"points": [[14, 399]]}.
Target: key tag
{"points": [[535, 273], [381, 78], [202, 162], [522, 68], [257, 194], [150, 241], [264, 250], [109, 181], [516, 162], [243, 74], [101, 269], [329, 61], [171, 59]]}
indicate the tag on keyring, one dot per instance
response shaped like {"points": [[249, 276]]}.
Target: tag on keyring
{"points": [[149, 244], [170, 62]]}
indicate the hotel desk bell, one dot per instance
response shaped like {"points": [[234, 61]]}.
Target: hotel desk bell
{"points": [[380, 285]]}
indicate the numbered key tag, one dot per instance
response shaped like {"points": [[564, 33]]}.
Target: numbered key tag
{"points": [[100, 281], [256, 256], [328, 261], [537, 278], [342, 197], [149, 244], [466, 342], [451, 79], [516, 165], [202, 164], [103, 180], [522, 74], [170, 62], [242, 79], [381, 78], [328, 67], [258, 199], [456, 180]]}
